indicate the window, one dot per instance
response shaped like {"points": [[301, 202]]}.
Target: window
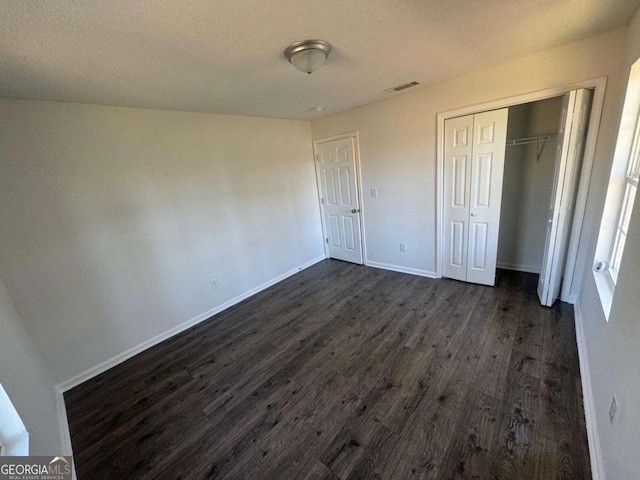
{"points": [[623, 185], [624, 215], [14, 438]]}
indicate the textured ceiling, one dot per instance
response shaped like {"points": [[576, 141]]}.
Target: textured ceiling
{"points": [[225, 56]]}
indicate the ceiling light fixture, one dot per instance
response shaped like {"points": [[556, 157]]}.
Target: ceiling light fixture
{"points": [[308, 55], [319, 108]]}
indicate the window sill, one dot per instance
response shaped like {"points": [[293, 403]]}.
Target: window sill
{"points": [[605, 288]]}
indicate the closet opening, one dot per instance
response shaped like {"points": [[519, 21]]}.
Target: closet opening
{"points": [[529, 166], [536, 180], [541, 188]]}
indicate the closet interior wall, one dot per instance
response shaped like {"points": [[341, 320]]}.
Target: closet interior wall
{"points": [[528, 182]]}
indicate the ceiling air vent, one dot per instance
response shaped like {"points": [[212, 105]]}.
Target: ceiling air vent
{"points": [[398, 88]]}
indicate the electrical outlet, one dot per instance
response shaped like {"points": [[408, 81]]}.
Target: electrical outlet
{"points": [[613, 409], [403, 247], [214, 283]]}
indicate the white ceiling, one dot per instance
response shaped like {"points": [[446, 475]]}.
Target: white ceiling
{"points": [[225, 56]]}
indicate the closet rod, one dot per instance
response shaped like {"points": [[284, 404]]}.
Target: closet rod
{"points": [[524, 141]]}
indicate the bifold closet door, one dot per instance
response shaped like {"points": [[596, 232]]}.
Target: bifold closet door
{"points": [[457, 171], [576, 108], [473, 171]]}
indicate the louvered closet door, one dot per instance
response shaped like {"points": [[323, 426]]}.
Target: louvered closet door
{"points": [[473, 172]]}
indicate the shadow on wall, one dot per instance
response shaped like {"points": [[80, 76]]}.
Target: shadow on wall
{"points": [[131, 212]]}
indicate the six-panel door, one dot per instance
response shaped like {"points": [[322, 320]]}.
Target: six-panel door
{"points": [[340, 205], [473, 172]]}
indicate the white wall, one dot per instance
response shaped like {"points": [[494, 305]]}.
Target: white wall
{"points": [[614, 347], [398, 139], [114, 219], [527, 185], [26, 381]]}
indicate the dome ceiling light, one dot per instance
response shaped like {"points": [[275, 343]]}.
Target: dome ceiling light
{"points": [[308, 55]]}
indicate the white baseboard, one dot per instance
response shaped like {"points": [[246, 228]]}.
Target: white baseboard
{"points": [[595, 453], [519, 268], [397, 268], [63, 422], [112, 362], [572, 299], [65, 437], [63, 426]]}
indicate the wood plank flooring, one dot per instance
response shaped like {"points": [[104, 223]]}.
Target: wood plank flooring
{"points": [[347, 372]]}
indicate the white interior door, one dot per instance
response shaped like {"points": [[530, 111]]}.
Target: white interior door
{"points": [[473, 172], [487, 169], [458, 133], [339, 199], [576, 106]]}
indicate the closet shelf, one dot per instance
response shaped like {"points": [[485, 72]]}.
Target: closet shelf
{"points": [[526, 140], [540, 141]]}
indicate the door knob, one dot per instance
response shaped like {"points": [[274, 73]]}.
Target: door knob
{"points": [[355, 210], [474, 214]]}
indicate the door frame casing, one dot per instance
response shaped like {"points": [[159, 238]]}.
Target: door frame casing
{"points": [[570, 289], [358, 178]]}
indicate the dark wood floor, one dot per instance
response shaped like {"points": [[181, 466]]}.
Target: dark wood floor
{"points": [[344, 371]]}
